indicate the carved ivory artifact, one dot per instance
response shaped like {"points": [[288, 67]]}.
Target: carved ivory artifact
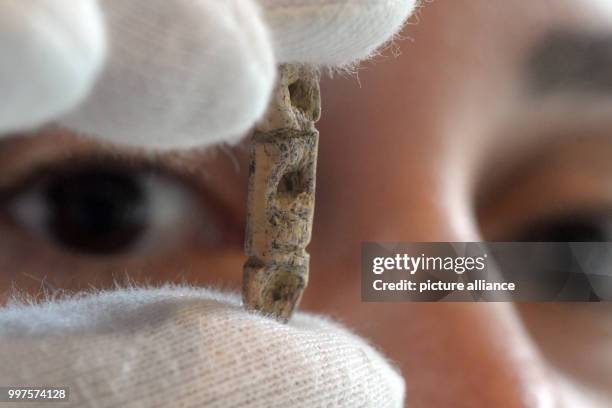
{"points": [[281, 195]]}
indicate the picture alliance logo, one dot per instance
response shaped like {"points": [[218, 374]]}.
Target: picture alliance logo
{"points": [[414, 264], [486, 271]]}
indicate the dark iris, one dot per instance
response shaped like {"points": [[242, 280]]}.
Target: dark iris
{"points": [[96, 210], [567, 229]]}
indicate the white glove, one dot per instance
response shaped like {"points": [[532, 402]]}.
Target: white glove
{"points": [[180, 346], [52, 52], [178, 72]]}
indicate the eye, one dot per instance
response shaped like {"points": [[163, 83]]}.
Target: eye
{"points": [[98, 211], [103, 208], [567, 228], [559, 192]]}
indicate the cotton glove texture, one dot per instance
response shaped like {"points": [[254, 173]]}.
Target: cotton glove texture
{"points": [[179, 346], [52, 52], [171, 73], [180, 73]]}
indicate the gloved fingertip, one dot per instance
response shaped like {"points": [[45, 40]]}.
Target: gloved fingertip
{"points": [[180, 74], [337, 32], [385, 384], [53, 52]]}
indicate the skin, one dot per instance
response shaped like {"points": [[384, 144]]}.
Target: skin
{"points": [[442, 143]]}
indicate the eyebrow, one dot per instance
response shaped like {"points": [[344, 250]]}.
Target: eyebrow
{"points": [[572, 61]]}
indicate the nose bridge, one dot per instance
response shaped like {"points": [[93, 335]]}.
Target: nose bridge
{"points": [[451, 354], [461, 354], [396, 179]]}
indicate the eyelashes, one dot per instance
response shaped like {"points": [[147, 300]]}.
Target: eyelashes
{"points": [[581, 227]]}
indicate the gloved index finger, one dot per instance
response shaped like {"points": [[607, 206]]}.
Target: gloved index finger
{"points": [[332, 32]]}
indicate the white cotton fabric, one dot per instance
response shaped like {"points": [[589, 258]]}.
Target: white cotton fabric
{"points": [[177, 73], [180, 73], [179, 346], [332, 32], [52, 52]]}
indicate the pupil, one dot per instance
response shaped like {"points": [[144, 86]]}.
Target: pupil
{"points": [[567, 230], [96, 211]]}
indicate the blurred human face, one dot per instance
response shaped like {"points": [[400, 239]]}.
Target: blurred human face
{"points": [[468, 136], [477, 131]]}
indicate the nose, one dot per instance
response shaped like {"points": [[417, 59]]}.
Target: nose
{"points": [[379, 184], [450, 354], [464, 355]]}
